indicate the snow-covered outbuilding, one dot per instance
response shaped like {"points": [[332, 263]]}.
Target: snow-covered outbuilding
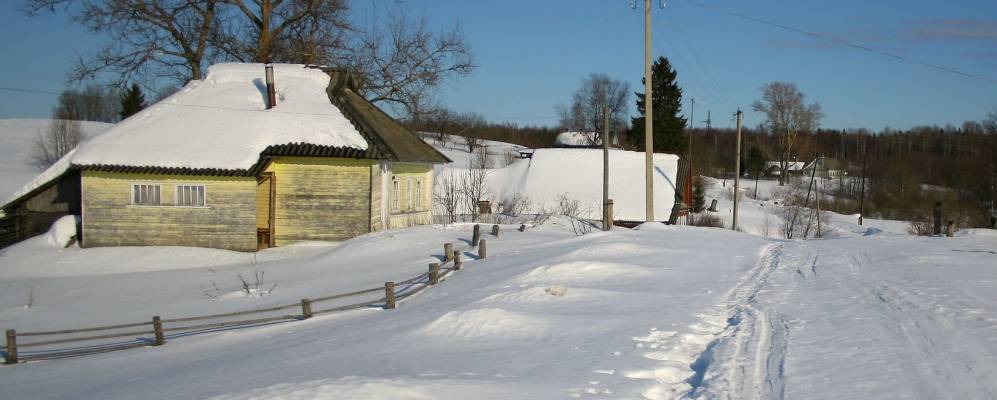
{"points": [[217, 165]]}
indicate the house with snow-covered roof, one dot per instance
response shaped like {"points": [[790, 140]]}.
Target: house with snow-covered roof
{"points": [[245, 159]]}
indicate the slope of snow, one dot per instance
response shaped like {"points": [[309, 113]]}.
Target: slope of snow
{"points": [[576, 174], [17, 138], [222, 122], [576, 139]]}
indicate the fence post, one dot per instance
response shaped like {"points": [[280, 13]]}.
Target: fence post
{"points": [[950, 228], [477, 235], [157, 328], [482, 250], [495, 230], [306, 308], [11, 347], [434, 273], [522, 228], [389, 295], [936, 226], [447, 252], [456, 261]]}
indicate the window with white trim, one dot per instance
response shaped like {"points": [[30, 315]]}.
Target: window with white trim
{"points": [[190, 196], [410, 192], [146, 195], [396, 196], [418, 193]]}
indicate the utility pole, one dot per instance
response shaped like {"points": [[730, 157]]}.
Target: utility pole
{"points": [[865, 159], [648, 121], [737, 168], [607, 217], [709, 163]]}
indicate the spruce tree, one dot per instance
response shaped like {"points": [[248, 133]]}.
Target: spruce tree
{"points": [[132, 101], [666, 100], [698, 196]]}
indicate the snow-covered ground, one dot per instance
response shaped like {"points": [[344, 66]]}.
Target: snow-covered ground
{"points": [[658, 312], [17, 137]]}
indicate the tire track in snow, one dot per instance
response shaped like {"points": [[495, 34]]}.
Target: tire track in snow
{"points": [[737, 350]]}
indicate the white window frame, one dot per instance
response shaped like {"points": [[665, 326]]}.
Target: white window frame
{"points": [[410, 204], [396, 187], [418, 193], [199, 194], [136, 193]]}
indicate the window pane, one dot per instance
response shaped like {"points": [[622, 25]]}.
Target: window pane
{"points": [[155, 191], [200, 196]]}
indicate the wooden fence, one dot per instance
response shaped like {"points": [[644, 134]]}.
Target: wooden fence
{"points": [[156, 331]]}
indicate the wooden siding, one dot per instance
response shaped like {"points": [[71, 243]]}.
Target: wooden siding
{"points": [[376, 197], [418, 212], [227, 221], [321, 198]]}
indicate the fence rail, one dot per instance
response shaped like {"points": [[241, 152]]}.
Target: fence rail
{"points": [[157, 328]]}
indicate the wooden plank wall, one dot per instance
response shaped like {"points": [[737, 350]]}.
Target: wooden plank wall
{"points": [[227, 222], [419, 212], [321, 198]]}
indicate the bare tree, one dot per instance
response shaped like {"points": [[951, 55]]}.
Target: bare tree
{"points": [[473, 186], [61, 137], [301, 31], [783, 105], [148, 39], [448, 196], [91, 103], [402, 63], [586, 113], [468, 122]]}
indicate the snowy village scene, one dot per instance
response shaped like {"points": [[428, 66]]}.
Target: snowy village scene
{"points": [[464, 199]]}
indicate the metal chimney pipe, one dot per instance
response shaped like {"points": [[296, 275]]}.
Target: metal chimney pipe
{"points": [[271, 91]]}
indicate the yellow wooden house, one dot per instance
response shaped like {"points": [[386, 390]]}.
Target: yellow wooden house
{"points": [[245, 159]]}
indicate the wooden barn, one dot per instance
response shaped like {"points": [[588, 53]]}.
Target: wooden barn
{"points": [[248, 158]]}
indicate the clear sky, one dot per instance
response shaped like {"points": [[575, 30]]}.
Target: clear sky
{"points": [[532, 55]]}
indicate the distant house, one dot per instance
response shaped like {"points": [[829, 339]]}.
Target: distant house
{"points": [[774, 168], [583, 140], [216, 165]]}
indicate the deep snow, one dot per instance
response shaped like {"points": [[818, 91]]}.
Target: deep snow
{"points": [[658, 312]]}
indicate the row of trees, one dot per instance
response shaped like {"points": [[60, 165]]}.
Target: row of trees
{"points": [[91, 103], [401, 62]]}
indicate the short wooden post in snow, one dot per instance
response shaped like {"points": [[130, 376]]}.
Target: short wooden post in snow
{"points": [[522, 228], [447, 252], [389, 295], [950, 229], [157, 329], [11, 347], [434, 273], [495, 230], [306, 308], [476, 236], [482, 250], [456, 261], [936, 226]]}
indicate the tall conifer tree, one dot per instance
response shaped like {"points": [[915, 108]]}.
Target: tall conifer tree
{"points": [[666, 98], [132, 101]]}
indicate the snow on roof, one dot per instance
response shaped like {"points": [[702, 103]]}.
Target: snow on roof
{"points": [[790, 165], [576, 139], [49, 174], [222, 122]]}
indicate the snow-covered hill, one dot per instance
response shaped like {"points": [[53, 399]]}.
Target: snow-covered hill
{"points": [[16, 141]]}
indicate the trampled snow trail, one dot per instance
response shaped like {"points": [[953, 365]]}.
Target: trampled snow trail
{"points": [[820, 319]]}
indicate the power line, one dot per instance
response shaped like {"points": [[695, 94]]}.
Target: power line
{"points": [[13, 89], [843, 42]]}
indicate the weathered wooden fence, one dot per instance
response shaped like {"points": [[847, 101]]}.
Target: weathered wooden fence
{"points": [[156, 331]]}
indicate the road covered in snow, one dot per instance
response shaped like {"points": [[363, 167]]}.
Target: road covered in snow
{"points": [[658, 312]]}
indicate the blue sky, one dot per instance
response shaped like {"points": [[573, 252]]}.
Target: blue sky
{"points": [[532, 55]]}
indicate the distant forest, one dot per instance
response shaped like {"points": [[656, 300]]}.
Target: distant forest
{"points": [[906, 170]]}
